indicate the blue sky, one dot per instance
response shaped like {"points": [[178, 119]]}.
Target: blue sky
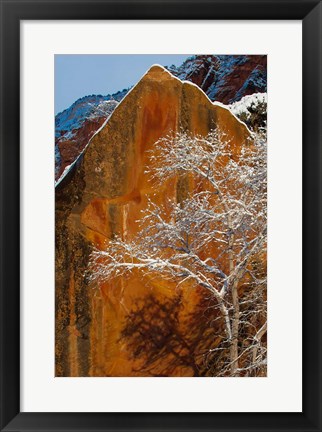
{"points": [[81, 75]]}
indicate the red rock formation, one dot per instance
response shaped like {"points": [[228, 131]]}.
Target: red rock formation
{"points": [[104, 195], [225, 78], [69, 149], [239, 81]]}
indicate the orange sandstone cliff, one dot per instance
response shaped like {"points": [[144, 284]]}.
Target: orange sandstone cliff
{"points": [[103, 195]]}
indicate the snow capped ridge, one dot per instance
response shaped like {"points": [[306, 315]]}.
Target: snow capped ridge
{"points": [[156, 66], [69, 167], [69, 124], [220, 104], [156, 70], [73, 117]]}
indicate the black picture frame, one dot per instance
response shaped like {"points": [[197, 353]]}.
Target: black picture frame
{"points": [[12, 12]]}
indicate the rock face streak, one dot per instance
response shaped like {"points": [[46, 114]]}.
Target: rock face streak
{"points": [[104, 195]]}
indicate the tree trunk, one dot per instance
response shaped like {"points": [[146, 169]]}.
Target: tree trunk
{"points": [[234, 332], [257, 340], [235, 303]]}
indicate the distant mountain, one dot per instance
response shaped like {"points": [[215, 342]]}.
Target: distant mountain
{"points": [[76, 125], [224, 78]]}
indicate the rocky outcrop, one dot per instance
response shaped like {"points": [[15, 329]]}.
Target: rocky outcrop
{"points": [[75, 126], [225, 78], [103, 195], [71, 145]]}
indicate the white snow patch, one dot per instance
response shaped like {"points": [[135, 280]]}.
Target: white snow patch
{"points": [[246, 102]]}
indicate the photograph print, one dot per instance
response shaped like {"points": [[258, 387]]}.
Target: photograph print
{"points": [[160, 215]]}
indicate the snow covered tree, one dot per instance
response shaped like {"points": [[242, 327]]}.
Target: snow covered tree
{"points": [[214, 238]]}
